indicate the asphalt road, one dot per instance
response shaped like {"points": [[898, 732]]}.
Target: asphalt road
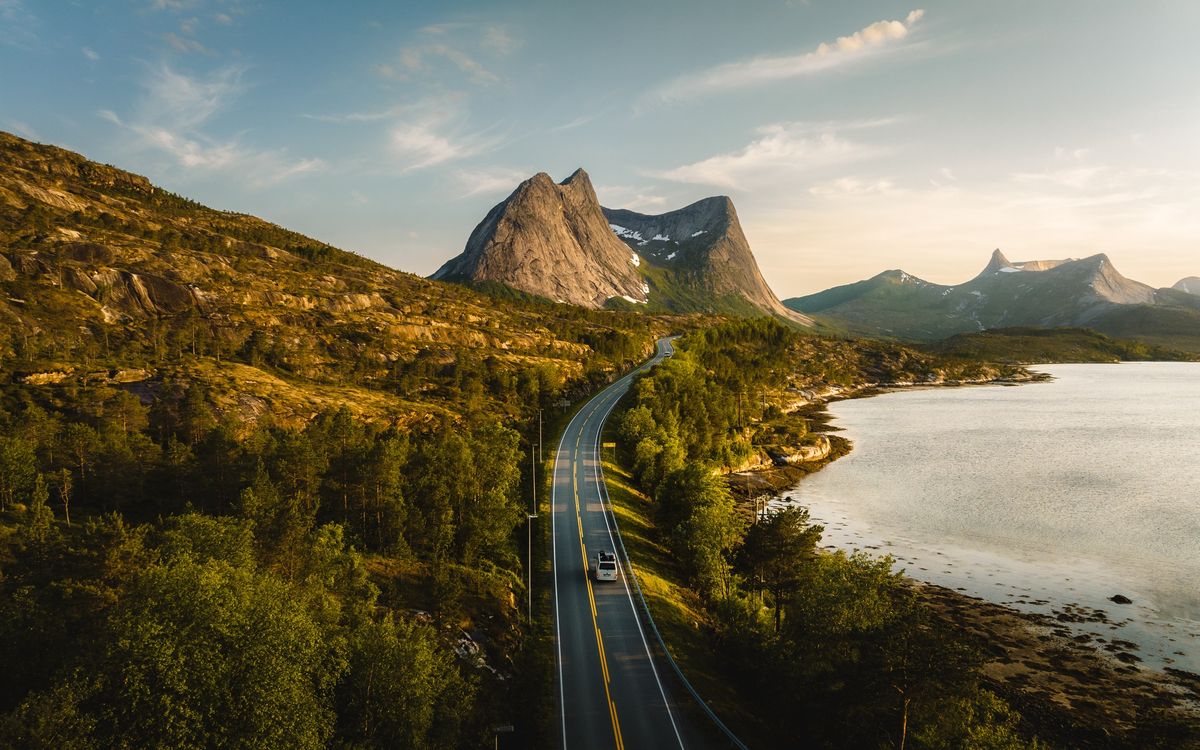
{"points": [[612, 693]]}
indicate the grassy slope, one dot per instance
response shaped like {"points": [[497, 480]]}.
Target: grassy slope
{"points": [[675, 608]]}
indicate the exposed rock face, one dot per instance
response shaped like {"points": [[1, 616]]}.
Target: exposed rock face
{"points": [[704, 245], [551, 240], [63, 167], [1190, 285], [556, 241]]}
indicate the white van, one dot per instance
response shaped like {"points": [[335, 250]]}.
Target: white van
{"points": [[606, 566]]}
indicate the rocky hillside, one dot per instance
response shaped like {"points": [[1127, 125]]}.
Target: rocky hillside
{"points": [[701, 249], [558, 242], [1190, 285], [550, 240], [1088, 293], [105, 278]]}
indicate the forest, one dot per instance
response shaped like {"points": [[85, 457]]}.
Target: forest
{"points": [[833, 650]]}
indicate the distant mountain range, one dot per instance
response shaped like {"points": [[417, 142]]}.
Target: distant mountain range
{"points": [[556, 241], [1085, 293]]}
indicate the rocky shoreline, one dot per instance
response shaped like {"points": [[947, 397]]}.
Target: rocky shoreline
{"points": [[1070, 689]]}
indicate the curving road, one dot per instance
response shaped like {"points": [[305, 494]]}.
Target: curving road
{"points": [[612, 694]]}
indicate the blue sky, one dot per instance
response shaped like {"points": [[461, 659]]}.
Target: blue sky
{"points": [[852, 136]]}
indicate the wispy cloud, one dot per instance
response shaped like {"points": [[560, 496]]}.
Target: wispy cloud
{"points": [[22, 129], [173, 117], [499, 40], [452, 46], [366, 116], [575, 123], [760, 70], [780, 150], [632, 197], [421, 59], [90, 54], [434, 132], [184, 44], [173, 5], [17, 24], [489, 180]]}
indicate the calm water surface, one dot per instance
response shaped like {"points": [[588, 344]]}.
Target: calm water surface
{"points": [[1039, 496]]}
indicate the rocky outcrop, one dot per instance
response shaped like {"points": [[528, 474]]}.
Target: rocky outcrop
{"points": [[1190, 285], [704, 246], [60, 165], [131, 293], [553, 241]]}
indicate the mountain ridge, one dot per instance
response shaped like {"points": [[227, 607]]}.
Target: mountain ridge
{"points": [[546, 240], [1078, 292], [1188, 285]]}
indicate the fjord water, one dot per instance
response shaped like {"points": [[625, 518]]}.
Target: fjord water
{"points": [[1038, 496]]}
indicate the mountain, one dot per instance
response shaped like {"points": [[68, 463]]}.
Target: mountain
{"points": [[702, 252], [105, 278], [1088, 293], [558, 242], [1190, 285], [553, 241]]}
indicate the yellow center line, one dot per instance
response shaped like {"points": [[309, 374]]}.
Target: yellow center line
{"points": [[612, 707]]}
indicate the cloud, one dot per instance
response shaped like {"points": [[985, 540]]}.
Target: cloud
{"points": [[352, 117], [634, 198], [499, 41], [489, 180], [575, 123], [853, 186], [184, 44], [224, 19], [22, 129], [17, 25], [173, 116], [173, 5], [448, 43], [417, 59], [781, 150], [90, 54], [432, 133], [760, 70]]}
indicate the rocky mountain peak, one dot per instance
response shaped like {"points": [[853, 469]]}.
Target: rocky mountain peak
{"points": [[551, 240], [703, 244], [557, 241], [997, 262]]}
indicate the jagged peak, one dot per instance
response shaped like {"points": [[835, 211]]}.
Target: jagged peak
{"points": [[997, 261], [579, 175]]}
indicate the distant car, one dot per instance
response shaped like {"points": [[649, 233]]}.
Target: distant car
{"points": [[606, 566]]}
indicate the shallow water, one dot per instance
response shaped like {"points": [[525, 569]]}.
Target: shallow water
{"points": [[1038, 496]]}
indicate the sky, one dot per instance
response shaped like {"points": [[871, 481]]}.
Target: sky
{"points": [[853, 137]]}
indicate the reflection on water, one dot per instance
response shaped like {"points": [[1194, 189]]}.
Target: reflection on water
{"points": [[1039, 496]]}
